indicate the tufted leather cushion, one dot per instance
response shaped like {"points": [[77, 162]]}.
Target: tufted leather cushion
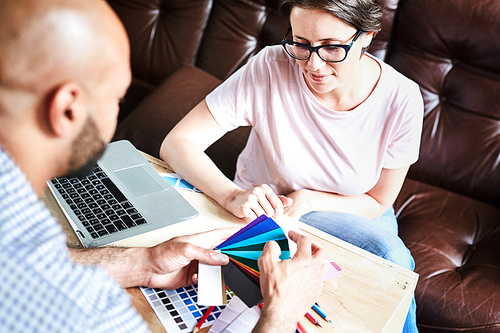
{"points": [[456, 245], [163, 34], [451, 49], [158, 113], [237, 30]]}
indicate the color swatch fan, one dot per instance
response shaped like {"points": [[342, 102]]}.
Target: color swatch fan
{"points": [[244, 249]]}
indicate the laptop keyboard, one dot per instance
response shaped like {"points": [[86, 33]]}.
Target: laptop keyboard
{"points": [[98, 203]]}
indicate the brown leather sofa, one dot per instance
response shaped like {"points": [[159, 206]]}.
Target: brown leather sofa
{"points": [[449, 207]]}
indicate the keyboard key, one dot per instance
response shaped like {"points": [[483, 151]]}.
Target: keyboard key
{"points": [[136, 216], [140, 221], [131, 211], [126, 205], [128, 221], [102, 232], [94, 221], [120, 225], [94, 235], [111, 228], [114, 190], [98, 227]]}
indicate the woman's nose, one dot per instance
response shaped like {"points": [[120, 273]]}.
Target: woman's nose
{"points": [[315, 62]]}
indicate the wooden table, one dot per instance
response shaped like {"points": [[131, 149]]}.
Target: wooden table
{"points": [[372, 295]]}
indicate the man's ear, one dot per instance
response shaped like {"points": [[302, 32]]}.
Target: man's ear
{"points": [[66, 109]]}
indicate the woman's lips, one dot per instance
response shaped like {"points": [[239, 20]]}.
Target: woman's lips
{"points": [[319, 77]]}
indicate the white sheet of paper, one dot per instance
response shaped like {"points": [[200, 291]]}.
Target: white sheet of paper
{"points": [[211, 290], [245, 322], [228, 315]]}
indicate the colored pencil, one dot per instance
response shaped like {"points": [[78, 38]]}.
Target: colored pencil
{"points": [[313, 320], [323, 315], [202, 320], [301, 328]]}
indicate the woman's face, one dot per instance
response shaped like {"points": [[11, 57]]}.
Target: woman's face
{"points": [[315, 27]]}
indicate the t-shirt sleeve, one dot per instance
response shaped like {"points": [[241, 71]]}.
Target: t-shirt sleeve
{"points": [[404, 148], [233, 103]]}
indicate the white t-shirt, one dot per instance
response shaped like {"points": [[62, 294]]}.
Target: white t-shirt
{"points": [[296, 142]]}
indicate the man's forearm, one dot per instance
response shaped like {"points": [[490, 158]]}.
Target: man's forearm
{"points": [[126, 265]]}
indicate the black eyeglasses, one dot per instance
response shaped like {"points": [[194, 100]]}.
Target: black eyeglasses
{"points": [[328, 53]]}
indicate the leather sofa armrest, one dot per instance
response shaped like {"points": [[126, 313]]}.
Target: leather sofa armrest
{"points": [[455, 243]]}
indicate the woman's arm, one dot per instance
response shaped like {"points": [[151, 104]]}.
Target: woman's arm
{"points": [[184, 150], [371, 204]]}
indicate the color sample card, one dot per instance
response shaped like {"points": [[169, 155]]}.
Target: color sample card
{"points": [[178, 183], [178, 309]]}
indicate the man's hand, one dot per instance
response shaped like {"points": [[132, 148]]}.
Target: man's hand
{"points": [[290, 287], [251, 204], [169, 265], [174, 263]]}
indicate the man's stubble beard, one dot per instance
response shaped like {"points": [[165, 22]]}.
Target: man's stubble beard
{"points": [[86, 150]]}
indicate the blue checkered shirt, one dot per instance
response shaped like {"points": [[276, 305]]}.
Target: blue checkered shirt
{"points": [[41, 290]]}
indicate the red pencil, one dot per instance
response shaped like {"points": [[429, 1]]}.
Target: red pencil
{"points": [[313, 320], [202, 320]]}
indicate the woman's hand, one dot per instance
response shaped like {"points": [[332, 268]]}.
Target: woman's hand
{"points": [[251, 204], [301, 203]]}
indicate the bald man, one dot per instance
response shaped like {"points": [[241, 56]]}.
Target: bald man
{"points": [[64, 66]]}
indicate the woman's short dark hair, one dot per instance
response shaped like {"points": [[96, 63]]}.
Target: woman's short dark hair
{"points": [[364, 15]]}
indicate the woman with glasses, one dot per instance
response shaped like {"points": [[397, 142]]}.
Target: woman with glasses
{"points": [[334, 130]]}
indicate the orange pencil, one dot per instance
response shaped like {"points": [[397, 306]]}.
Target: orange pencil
{"points": [[202, 320]]}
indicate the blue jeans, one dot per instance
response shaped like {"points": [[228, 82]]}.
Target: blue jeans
{"points": [[378, 236]]}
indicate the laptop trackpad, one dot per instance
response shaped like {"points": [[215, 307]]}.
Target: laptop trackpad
{"points": [[138, 181]]}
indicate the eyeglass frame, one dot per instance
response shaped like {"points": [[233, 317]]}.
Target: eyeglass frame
{"points": [[312, 49]]}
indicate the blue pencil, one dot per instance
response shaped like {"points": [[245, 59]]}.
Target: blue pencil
{"points": [[323, 315]]}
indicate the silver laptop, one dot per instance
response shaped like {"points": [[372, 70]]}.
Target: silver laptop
{"points": [[124, 197]]}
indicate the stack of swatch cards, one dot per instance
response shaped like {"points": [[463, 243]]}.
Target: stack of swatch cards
{"points": [[244, 248], [216, 286]]}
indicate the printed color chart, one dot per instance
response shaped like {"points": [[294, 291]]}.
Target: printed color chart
{"points": [[178, 309]]}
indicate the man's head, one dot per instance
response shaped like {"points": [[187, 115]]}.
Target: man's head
{"points": [[64, 66]]}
